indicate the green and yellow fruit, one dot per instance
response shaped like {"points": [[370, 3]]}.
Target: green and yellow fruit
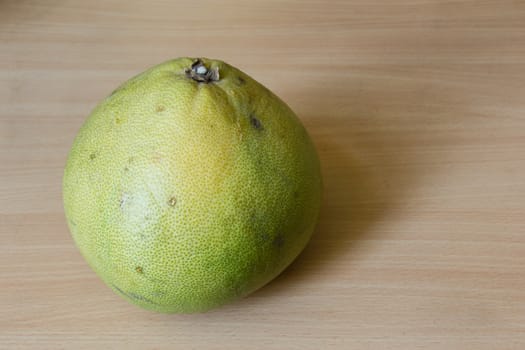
{"points": [[191, 186]]}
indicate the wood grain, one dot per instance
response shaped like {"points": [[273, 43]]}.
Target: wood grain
{"points": [[417, 108]]}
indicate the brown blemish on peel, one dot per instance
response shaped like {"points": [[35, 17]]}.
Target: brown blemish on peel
{"points": [[160, 109], [92, 156], [172, 201], [255, 122], [241, 80], [139, 269]]}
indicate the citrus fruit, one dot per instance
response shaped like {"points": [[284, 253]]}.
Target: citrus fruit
{"points": [[190, 186]]}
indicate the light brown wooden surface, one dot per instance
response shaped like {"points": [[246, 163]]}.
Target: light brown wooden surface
{"points": [[418, 112]]}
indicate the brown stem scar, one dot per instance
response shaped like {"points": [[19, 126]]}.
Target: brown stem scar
{"points": [[200, 73]]}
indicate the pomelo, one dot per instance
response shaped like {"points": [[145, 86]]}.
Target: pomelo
{"points": [[190, 186]]}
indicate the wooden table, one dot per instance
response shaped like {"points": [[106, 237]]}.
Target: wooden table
{"points": [[418, 112]]}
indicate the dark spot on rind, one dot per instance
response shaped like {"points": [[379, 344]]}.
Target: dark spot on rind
{"points": [[160, 109], [172, 201], [241, 80], [92, 156], [126, 169], [255, 122], [118, 120], [139, 269]]}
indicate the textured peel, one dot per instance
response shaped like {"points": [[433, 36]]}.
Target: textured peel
{"points": [[184, 195]]}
